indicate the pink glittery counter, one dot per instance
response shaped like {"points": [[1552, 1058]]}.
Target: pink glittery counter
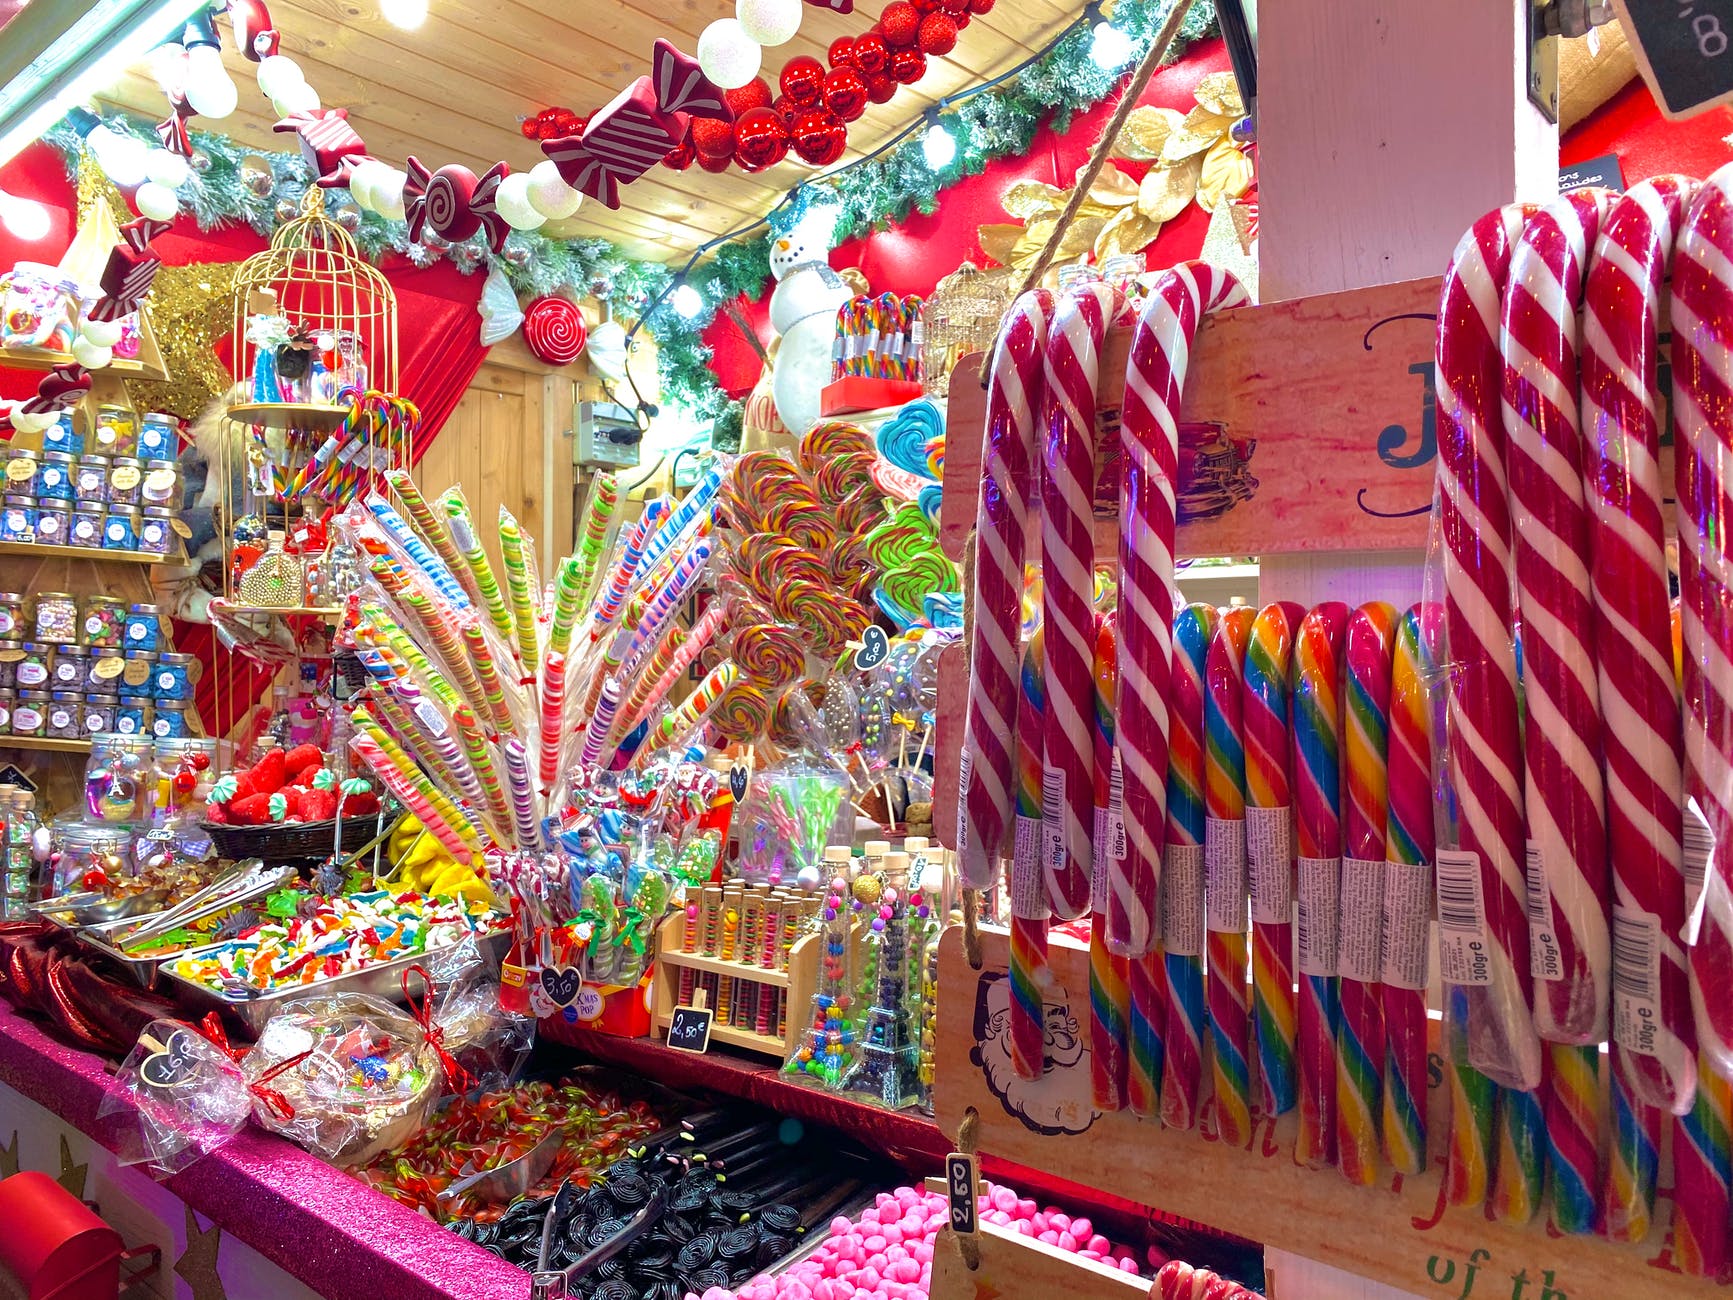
{"points": [[314, 1222]]}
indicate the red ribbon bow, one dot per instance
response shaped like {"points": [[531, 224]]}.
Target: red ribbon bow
{"points": [[422, 1013], [274, 1101]]}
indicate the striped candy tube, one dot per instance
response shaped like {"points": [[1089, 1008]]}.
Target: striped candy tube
{"points": [[1633, 1163], [525, 824], [552, 728], [662, 602], [481, 759], [1370, 644], [1702, 431], [475, 559], [692, 711], [1182, 887], [1007, 448], [521, 587], [1484, 746], [1073, 369], [610, 599], [1029, 907], [682, 517], [598, 514], [480, 656], [568, 598], [601, 722], [1108, 994], [1270, 850], [1473, 1109], [1225, 874], [709, 623], [1317, 732], [1572, 1112], [1702, 1170], [1149, 435], [1570, 953], [429, 524], [1519, 1156], [1408, 842]]}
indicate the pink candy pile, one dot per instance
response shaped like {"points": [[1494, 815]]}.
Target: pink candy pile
{"points": [[888, 1253], [1179, 1281]]}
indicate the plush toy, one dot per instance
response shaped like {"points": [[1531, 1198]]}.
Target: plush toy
{"points": [[803, 312]]}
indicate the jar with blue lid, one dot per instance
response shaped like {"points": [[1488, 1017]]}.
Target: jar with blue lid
{"points": [[99, 711], [63, 436], [8, 699], [135, 677], [132, 718], [18, 519], [53, 521], [85, 526], [156, 530], [68, 667], [120, 528], [170, 722], [158, 436], [65, 715], [90, 478], [143, 631], [54, 476], [173, 678]]}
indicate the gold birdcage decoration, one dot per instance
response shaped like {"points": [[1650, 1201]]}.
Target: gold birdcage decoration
{"points": [[962, 316]]}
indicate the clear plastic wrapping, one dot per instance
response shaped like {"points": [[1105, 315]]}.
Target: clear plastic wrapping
{"points": [[176, 1097]]}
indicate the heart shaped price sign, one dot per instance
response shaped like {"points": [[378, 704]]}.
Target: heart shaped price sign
{"points": [[875, 648], [562, 984], [171, 1064]]}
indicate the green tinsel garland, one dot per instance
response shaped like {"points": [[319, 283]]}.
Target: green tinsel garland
{"points": [[995, 124]]}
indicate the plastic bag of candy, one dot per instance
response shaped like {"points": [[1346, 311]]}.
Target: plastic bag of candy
{"points": [[177, 1096], [489, 1043]]}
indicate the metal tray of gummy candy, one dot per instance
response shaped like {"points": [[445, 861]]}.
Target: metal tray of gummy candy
{"points": [[253, 1007]]}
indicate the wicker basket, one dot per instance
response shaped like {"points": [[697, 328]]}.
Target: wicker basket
{"points": [[303, 842]]}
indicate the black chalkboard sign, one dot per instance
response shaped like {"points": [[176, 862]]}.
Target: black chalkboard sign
{"points": [[1685, 50], [689, 1030], [962, 1188]]}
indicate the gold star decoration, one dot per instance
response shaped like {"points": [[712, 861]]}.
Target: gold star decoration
{"points": [[197, 1265], [9, 1157], [71, 1177], [191, 307]]}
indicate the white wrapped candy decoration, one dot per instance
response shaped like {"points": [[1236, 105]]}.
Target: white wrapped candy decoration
{"points": [[549, 194], [33, 422], [388, 194], [512, 201], [279, 75], [167, 169], [729, 57], [155, 201], [364, 181], [101, 333], [768, 22], [91, 356]]}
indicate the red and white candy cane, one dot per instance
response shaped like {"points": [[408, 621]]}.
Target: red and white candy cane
{"points": [[1633, 632], [1007, 494], [1073, 371], [1149, 432], [1570, 952], [1703, 464], [1485, 751]]}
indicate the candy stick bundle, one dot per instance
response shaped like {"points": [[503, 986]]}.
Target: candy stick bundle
{"points": [[879, 338]]}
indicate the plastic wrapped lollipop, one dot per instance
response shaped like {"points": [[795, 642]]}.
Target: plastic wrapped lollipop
{"points": [[601, 909], [649, 903]]}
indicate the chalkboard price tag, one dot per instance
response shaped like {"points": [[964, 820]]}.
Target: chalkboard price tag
{"points": [[689, 1030], [1684, 49], [962, 1189], [875, 648], [170, 1064]]}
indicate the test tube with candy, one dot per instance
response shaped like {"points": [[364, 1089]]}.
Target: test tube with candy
{"points": [[522, 583]]}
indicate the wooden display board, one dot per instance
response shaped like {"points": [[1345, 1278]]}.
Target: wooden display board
{"points": [[1399, 1232]]}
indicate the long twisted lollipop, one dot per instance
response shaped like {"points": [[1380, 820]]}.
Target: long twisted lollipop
{"points": [[1225, 874]]}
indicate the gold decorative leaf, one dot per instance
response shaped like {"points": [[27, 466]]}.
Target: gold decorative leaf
{"points": [[1198, 132], [1220, 93], [1027, 199], [1128, 232], [1226, 174], [1145, 132], [1113, 188], [1166, 190], [998, 241], [1079, 237]]}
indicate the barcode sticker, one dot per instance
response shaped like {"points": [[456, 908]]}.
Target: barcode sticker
{"points": [[1098, 876], [1361, 927], [1053, 818], [1270, 854], [1116, 810], [965, 767], [1545, 958], [1320, 903], [1463, 953], [1699, 847], [1028, 883], [431, 718], [1224, 842], [1182, 876], [1636, 980], [1407, 914]]}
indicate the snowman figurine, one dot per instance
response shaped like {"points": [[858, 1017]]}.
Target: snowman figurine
{"points": [[803, 312]]}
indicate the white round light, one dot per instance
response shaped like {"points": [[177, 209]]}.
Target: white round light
{"points": [[155, 201], [1109, 48], [407, 14], [24, 218], [729, 57], [279, 74], [168, 64], [301, 98], [364, 182], [938, 146], [687, 301], [210, 93], [92, 356], [512, 201], [103, 333], [125, 160], [549, 194], [387, 194], [769, 22], [167, 168]]}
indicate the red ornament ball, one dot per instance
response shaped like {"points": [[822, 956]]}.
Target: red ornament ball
{"points": [[907, 66], [184, 782], [954, 7], [712, 139], [870, 53], [981, 6], [901, 23], [845, 93], [680, 157], [841, 53], [802, 80], [717, 164], [938, 34], [554, 330], [760, 139], [754, 94], [927, 6], [881, 87], [819, 137]]}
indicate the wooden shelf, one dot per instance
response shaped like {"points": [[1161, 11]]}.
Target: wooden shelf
{"points": [[317, 611], [44, 742], [37, 551], [45, 359], [716, 966], [289, 415], [752, 1042]]}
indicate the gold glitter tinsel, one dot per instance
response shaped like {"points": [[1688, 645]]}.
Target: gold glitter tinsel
{"points": [[191, 307]]}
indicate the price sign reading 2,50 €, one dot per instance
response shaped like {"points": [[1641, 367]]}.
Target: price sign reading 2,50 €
{"points": [[1685, 50], [689, 1029]]}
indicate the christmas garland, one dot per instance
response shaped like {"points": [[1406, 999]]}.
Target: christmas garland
{"points": [[998, 123]]}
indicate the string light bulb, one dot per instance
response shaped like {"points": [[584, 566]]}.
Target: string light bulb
{"points": [[407, 14], [687, 301], [938, 145], [25, 219], [1109, 48]]}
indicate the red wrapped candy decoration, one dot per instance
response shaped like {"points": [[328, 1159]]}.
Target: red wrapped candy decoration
{"points": [[845, 93], [819, 137], [760, 139], [554, 330], [802, 80]]}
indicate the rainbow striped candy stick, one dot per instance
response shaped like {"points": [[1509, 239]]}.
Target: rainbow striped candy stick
{"points": [[1270, 850], [1408, 844], [1108, 995], [457, 518], [1225, 875], [1702, 1168], [1519, 1155], [1633, 1161], [1573, 1124], [1182, 880], [1473, 1109], [1317, 724], [1028, 882], [1371, 643], [522, 586], [598, 514]]}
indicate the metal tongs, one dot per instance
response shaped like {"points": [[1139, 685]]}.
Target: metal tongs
{"points": [[242, 879]]}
